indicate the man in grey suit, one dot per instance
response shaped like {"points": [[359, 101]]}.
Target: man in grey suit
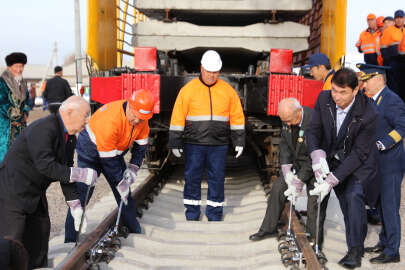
{"points": [[296, 171]]}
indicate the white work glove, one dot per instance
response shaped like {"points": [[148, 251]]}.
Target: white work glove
{"points": [[77, 212], [177, 152], [87, 176], [123, 187], [131, 172], [294, 189], [380, 146], [323, 189], [238, 150], [319, 165], [287, 173]]}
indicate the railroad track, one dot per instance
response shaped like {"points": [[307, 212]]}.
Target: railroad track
{"points": [[168, 241]]}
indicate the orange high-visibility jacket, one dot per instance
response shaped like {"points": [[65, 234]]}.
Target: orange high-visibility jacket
{"points": [[207, 115], [112, 133], [390, 40], [369, 42], [327, 82]]}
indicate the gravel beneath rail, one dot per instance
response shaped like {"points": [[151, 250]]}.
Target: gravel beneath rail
{"points": [[58, 208]]}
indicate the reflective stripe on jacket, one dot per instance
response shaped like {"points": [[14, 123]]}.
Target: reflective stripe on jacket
{"points": [[369, 42], [207, 115], [390, 40], [112, 133]]}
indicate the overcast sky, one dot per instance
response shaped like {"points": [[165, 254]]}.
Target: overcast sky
{"points": [[32, 26]]}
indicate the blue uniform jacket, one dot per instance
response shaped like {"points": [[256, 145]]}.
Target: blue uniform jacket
{"points": [[391, 131]]}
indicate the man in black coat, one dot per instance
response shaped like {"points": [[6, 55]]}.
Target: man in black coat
{"points": [[341, 137], [56, 90], [42, 154], [296, 171]]}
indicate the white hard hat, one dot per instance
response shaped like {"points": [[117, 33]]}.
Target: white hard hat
{"points": [[211, 61]]}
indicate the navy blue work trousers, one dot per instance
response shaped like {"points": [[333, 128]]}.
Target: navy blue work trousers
{"points": [[351, 198], [213, 159], [390, 199]]}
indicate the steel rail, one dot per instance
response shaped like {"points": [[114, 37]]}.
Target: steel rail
{"points": [[311, 259]]}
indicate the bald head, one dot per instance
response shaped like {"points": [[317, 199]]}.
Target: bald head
{"points": [[290, 111], [75, 112]]}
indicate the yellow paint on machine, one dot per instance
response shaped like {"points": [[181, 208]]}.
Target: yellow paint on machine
{"points": [[102, 33], [333, 30]]}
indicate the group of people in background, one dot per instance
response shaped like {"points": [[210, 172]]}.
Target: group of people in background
{"points": [[383, 43]]}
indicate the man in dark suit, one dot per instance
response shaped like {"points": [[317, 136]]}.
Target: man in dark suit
{"points": [[42, 154], [390, 132], [296, 171], [342, 132], [56, 90]]}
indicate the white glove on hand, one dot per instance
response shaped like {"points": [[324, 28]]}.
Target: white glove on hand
{"points": [[287, 173], [323, 189], [177, 152], [131, 172], [319, 165], [294, 189], [77, 212], [238, 150], [123, 187], [87, 176], [291, 194]]}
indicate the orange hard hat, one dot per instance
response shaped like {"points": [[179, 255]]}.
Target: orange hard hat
{"points": [[371, 16], [380, 21], [142, 103]]}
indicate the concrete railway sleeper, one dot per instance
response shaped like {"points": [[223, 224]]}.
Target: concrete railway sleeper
{"points": [[168, 241]]}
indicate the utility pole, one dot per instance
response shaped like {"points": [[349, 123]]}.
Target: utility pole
{"points": [[51, 63], [55, 51], [78, 48]]}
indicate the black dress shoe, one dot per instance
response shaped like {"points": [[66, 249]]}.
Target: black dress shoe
{"points": [[382, 258], [260, 235], [352, 258], [375, 249], [343, 259]]}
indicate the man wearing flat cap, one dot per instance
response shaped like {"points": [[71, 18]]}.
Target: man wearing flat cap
{"points": [[14, 101], [389, 135]]}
